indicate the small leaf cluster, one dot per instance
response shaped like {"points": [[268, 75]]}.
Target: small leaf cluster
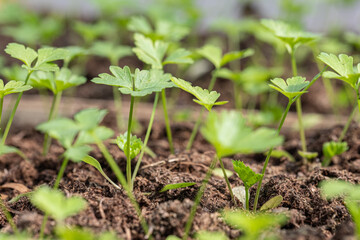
{"points": [[139, 84], [44, 57], [228, 133], [135, 144], [291, 88], [204, 97], [331, 149], [75, 135], [12, 87]]}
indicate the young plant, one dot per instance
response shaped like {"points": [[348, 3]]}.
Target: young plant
{"points": [[331, 149], [345, 71], [54, 203], [75, 136], [44, 58], [163, 29], [253, 225], [228, 134], [114, 53], [292, 38], [331, 189], [56, 82], [90, 32], [248, 177], [139, 84], [153, 53], [204, 97], [292, 88]]}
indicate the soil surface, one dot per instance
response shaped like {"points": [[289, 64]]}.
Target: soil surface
{"points": [[311, 217]]}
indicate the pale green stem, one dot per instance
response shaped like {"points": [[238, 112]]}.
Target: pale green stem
{"points": [[120, 176], [1, 107], [237, 96], [247, 199], [167, 121], [213, 80], [147, 136], [8, 125], [195, 130], [118, 108], [298, 106], [53, 112], [268, 156], [198, 198], [348, 122], [128, 157], [226, 179]]}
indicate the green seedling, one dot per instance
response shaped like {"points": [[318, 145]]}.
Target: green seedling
{"points": [[254, 225], [345, 71], [114, 53], [247, 176], [157, 55], [140, 84], [6, 89], [331, 189], [56, 82], [288, 88], [292, 37], [204, 97], [272, 203], [331, 149], [75, 136], [252, 80], [163, 29], [218, 59], [53, 203], [38, 30], [229, 135], [176, 186], [281, 153], [44, 58], [91, 32]]}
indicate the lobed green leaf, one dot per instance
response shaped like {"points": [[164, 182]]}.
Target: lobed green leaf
{"points": [[12, 87], [291, 88], [246, 174], [135, 144]]}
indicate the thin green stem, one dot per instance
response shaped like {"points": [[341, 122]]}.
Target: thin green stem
{"points": [[56, 186], [120, 176], [167, 121], [53, 112], [8, 125], [298, 106], [147, 136], [1, 108], [198, 198], [128, 157], [358, 97], [195, 130], [237, 96], [269, 154], [8, 217], [247, 199], [226, 179], [213, 80], [348, 122], [118, 108]]}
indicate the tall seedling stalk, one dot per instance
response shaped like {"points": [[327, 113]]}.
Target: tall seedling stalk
{"points": [[298, 87]]}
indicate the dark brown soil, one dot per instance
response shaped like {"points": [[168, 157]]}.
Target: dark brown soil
{"points": [[311, 217]]}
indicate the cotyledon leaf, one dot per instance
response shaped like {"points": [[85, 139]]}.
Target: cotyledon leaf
{"points": [[176, 186], [93, 162]]}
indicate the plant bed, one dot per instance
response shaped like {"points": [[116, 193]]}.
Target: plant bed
{"points": [[109, 209]]}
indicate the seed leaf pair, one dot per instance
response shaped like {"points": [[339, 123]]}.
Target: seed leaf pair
{"points": [[145, 82], [291, 88], [12, 87], [85, 126], [204, 97], [246, 174], [215, 56], [54, 203], [331, 149], [44, 57], [153, 53], [135, 144], [56, 81], [343, 67], [228, 133], [291, 36]]}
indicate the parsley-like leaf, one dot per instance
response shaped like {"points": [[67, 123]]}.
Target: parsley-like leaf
{"points": [[246, 174], [291, 88]]}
